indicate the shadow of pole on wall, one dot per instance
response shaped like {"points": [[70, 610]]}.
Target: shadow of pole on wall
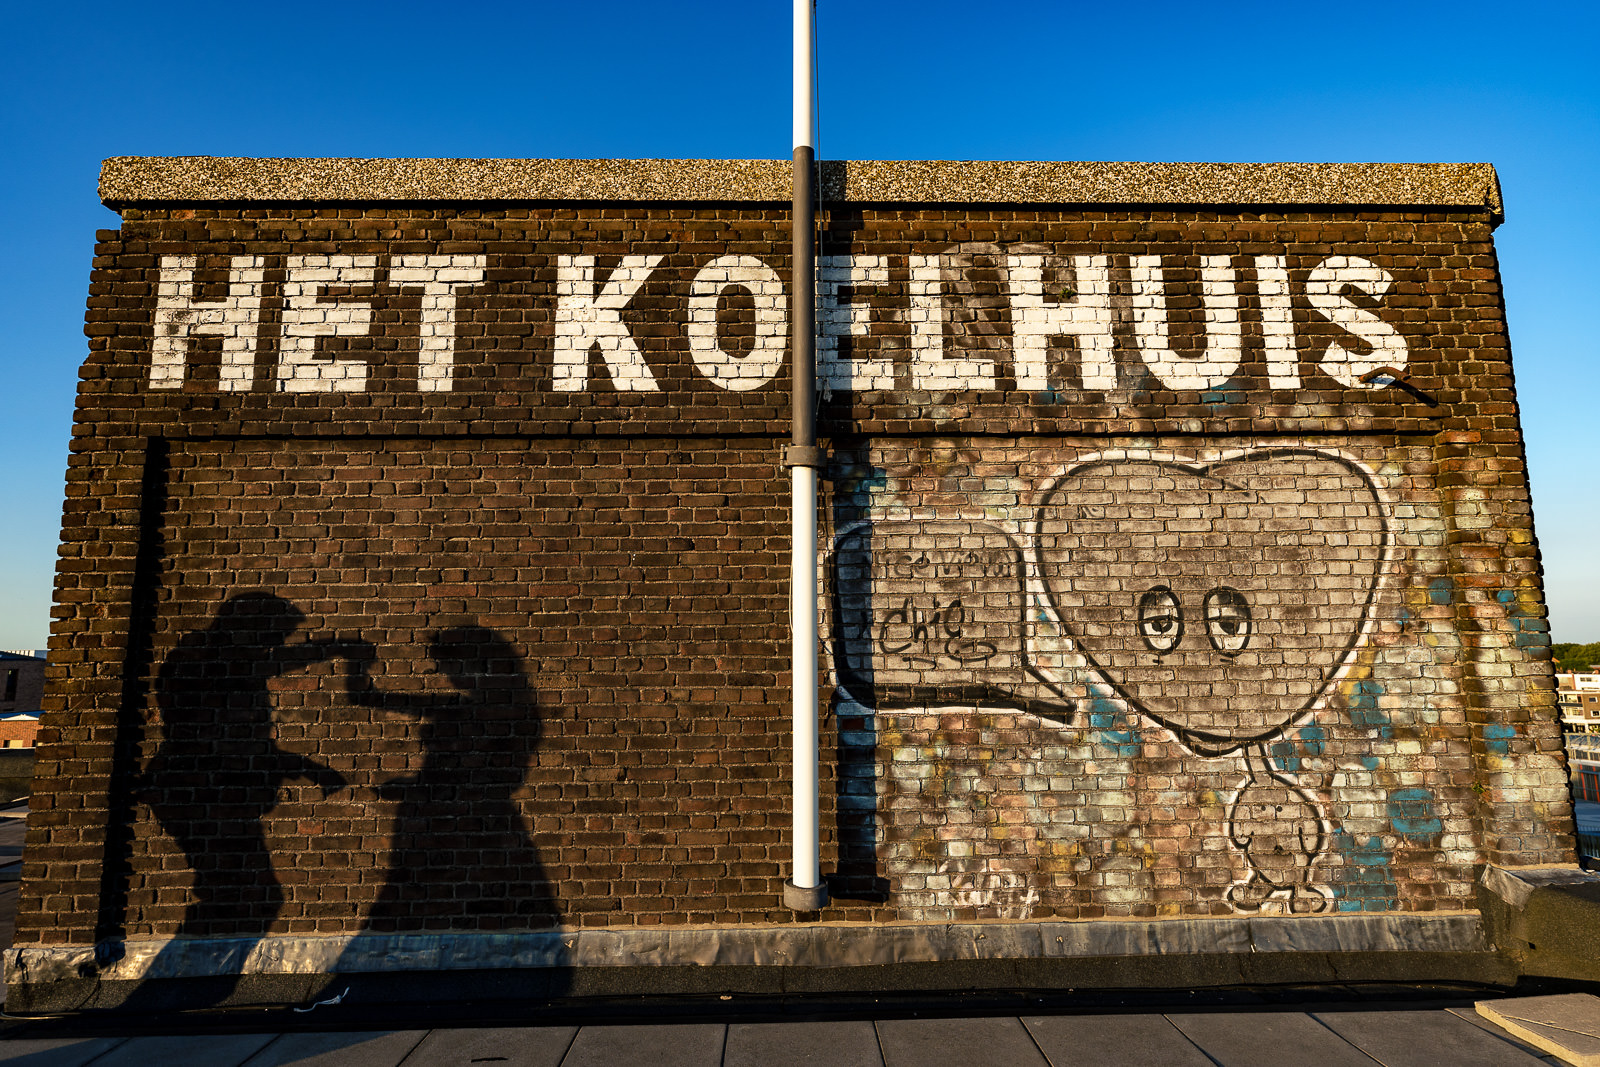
{"points": [[116, 864], [851, 478], [856, 782]]}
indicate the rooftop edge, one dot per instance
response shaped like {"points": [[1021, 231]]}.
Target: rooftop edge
{"points": [[127, 181]]}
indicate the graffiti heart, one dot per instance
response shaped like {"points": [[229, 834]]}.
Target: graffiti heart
{"points": [[1222, 600]]}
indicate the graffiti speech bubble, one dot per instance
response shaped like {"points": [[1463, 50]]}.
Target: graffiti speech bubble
{"points": [[930, 612]]}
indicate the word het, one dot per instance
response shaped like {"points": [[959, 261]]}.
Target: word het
{"points": [[307, 314]]}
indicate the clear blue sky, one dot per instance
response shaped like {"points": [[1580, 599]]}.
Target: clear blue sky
{"points": [[1515, 86]]}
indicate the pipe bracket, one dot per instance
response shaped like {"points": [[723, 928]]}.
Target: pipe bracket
{"points": [[799, 898], [805, 456]]}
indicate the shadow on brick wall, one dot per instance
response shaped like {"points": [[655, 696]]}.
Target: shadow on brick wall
{"points": [[219, 768], [856, 876], [462, 857], [462, 853]]}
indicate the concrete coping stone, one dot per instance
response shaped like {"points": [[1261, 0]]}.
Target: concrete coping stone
{"points": [[821, 945], [131, 181], [1515, 886]]}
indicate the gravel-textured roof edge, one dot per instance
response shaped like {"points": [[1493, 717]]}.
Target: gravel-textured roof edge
{"points": [[136, 180]]}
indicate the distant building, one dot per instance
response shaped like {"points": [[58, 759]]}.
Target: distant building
{"points": [[1583, 762], [21, 690], [1579, 696]]}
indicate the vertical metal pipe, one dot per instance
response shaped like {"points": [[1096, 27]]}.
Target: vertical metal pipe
{"points": [[805, 890], [804, 333]]}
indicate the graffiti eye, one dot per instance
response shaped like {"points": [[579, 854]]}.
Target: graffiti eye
{"points": [[1228, 621], [1160, 619]]}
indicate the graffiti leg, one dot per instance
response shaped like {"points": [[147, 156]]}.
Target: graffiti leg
{"points": [[1280, 829]]}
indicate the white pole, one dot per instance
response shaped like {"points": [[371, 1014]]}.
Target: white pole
{"points": [[804, 891], [804, 122], [807, 841]]}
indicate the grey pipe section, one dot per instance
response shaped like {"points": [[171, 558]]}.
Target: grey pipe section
{"points": [[804, 323]]}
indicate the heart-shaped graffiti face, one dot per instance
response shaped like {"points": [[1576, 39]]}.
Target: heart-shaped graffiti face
{"points": [[1222, 599]]}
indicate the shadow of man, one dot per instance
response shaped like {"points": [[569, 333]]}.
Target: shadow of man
{"points": [[218, 771]]}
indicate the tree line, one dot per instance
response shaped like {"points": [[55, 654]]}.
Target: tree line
{"points": [[1577, 658]]}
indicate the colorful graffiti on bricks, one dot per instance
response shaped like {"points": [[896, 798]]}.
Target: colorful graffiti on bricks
{"points": [[1218, 601]]}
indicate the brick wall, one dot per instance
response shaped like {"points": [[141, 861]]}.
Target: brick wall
{"points": [[21, 683], [426, 570], [18, 732]]}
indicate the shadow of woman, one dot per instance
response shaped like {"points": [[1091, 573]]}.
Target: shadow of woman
{"points": [[463, 857]]}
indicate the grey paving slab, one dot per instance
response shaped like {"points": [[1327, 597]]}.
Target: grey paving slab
{"points": [[1113, 1041], [381, 1049], [186, 1050], [688, 1044], [1423, 1039], [1567, 1025], [835, 1044], [1471, 1016], [525, 1046], [12, 834], [54, 1051], [957, 1042], [1268, 1039], [1578, 1013]]}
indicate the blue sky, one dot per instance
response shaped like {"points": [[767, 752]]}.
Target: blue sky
{"points": [[1403, 82]]}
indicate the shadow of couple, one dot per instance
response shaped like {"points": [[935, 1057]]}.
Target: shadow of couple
{"points": [[461, 855]]}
